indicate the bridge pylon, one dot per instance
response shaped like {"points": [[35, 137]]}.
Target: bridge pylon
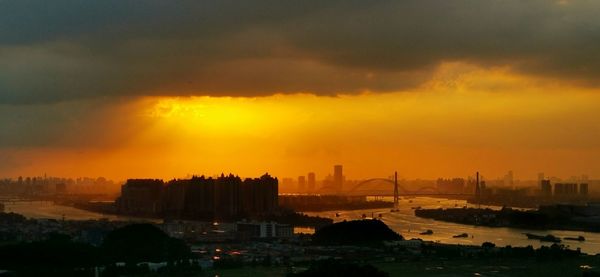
{"points": [[396, 192]]}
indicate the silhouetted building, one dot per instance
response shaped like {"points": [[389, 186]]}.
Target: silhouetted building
{"points": [[312, 181], [477, 188], [559, 189], [60, 188], [225, 197], [338, 177], [509, 179], [264, 230], [174, 197], [546, 188], [583, 189], [287, 184], [301, 183], [260, 195], [565, 189], [455, 185], [141, 196]]}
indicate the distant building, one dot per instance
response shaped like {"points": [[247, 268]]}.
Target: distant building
{"points": [[287, 184], [141, 196], [583, 189], [559, 189], [301, 183], [338, 177], [565, 189], [61, 188], [455, 185], [509, 179], [546, 188], [264, 230], [225, 197], [312, 181]]}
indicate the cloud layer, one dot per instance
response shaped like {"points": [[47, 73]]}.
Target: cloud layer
{"points": [[68, 50]]}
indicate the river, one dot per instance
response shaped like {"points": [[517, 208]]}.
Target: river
{"points": [[409, 226], [404, 222], [48, 210]]}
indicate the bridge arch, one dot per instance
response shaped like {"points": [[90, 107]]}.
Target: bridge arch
{"points": [[368, 181], [402, 189]]}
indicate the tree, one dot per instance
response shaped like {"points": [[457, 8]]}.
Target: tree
{"points": [[357, 232], [141, 243]]}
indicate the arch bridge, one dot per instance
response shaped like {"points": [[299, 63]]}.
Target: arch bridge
{"points": [[422, 190]]}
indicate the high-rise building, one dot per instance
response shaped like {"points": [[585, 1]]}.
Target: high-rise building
{"points": [[141, 196], [559, 189], [477, 187], [225, 197], [546, 188], [565, 189], [312, 181], [540, 177], [455, 185], [338, 177], [287, 184], [583, 189], [509, 179], [301, 183]]}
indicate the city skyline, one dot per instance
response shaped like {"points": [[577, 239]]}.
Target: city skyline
{"points": [[300, 138]]}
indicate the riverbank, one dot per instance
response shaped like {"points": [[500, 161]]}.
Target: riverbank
{"points": [[403, 222], [292, 218], [532, 219], [352, 206], [281, 257]]}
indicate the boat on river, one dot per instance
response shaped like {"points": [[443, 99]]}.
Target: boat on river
{"points": [[463, 235], [546, 238], [579, 238], [428, 232]]}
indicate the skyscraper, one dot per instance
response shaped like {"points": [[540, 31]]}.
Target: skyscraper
{"points": [[583, 189], [312, 181], [477, 188], [338, 177], [546, 188], [509, 179], [301, 183]]}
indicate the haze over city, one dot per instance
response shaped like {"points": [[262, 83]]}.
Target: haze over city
{"points": [[429, 89], [300, 138]]}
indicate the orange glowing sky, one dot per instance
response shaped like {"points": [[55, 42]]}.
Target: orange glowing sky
{"points": [[428, 88], [452, 125]]}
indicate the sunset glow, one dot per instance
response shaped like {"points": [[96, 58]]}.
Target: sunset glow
{"points": [[464, 117], [167, 94]]}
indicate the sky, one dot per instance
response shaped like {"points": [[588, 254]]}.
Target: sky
{"points": [[164, 89]]}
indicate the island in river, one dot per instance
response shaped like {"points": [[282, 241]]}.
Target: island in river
{"points": [[555, 217]]}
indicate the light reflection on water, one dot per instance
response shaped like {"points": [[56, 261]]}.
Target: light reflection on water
{"points": [[408, 225], [46, 209], [404, 222]]}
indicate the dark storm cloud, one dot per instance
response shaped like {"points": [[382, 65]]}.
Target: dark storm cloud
{"points": [[63, 50], [69, 124]]}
